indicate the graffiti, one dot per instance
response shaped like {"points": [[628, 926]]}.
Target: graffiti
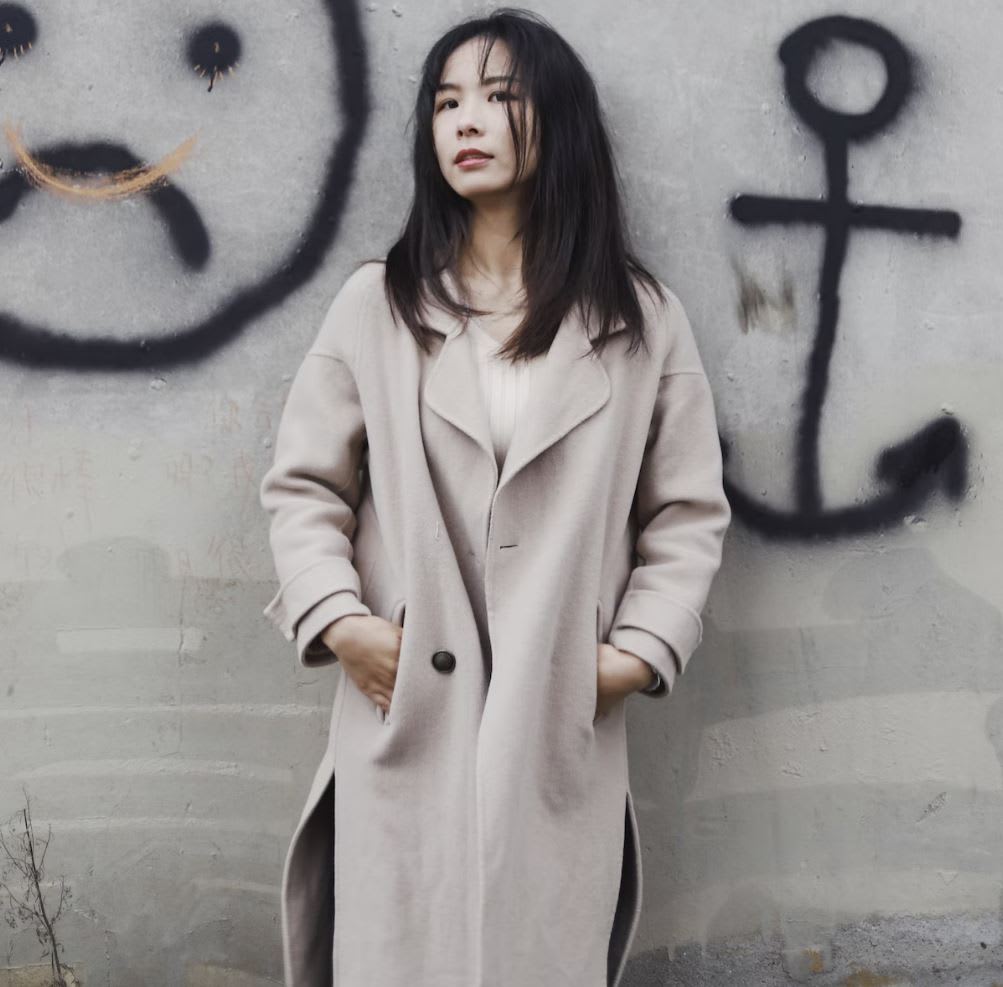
{"points": [[214, 48], [138, 340], [18, 30], [936, 455]]}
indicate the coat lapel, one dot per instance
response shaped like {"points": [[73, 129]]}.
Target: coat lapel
{"points": [[568, 386]]}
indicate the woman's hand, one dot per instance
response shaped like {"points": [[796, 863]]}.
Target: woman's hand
{"points": [[369, 648], [619, 673]]}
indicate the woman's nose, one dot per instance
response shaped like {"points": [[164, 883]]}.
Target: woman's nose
{"points": [[469, 125]]}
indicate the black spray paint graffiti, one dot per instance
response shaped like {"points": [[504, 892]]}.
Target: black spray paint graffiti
{"points": [[934, 456], [212, 50]]}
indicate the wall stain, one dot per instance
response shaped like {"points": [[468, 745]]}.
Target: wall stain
{"points": [[761, 309], [934, 805], [864, 978], [816, 962]]}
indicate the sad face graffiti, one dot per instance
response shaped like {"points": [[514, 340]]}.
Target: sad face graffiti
{"points": [[168, 173]]}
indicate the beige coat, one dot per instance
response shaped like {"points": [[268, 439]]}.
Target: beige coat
{"points": [[476, 836]]}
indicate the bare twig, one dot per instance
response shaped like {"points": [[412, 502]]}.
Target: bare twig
{"points": [[24, 855]]}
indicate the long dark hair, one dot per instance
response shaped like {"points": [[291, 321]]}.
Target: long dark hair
{"points": [[575, 245]]}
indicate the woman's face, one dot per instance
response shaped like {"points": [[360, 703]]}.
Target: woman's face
{"points": [[470, 114]]}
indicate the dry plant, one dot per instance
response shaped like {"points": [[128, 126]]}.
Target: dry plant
{"points": [[22, 877]]}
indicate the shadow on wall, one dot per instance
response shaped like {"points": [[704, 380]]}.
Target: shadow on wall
{"points": [[156, 745], [936, 456], [808, 768]]}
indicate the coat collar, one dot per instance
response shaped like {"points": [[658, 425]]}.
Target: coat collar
{"points": [[569, 385]]}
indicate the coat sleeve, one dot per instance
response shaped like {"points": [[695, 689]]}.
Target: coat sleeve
{"points": [[312, 490], [682, 514]]}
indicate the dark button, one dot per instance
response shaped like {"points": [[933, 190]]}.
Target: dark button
{"points": [[444, 661]]}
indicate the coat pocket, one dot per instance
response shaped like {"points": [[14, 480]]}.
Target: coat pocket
{"points": [[396, 617], [594, 691]]}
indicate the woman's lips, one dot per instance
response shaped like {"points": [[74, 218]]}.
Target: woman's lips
{"points": [[467, 163]]}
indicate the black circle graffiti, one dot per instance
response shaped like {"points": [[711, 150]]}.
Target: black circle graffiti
{"points": [[936, 455], [29, 344], [800, 48]]}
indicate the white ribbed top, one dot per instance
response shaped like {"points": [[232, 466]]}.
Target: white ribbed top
{"points": [[504, 386]]}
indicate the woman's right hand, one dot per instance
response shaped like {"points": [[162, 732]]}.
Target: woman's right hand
{"points": [[369, 648]]}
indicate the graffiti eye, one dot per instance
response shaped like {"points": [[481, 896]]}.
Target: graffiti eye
{"points": [[213, 50], [18, 30]]}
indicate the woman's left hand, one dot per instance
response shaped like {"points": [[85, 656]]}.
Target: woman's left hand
{"points": [[619, 673]]}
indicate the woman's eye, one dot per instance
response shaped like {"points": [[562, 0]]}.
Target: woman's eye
{"points": [[506, 94]]}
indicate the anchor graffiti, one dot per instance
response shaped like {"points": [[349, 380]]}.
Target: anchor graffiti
{"points": [[937, 454]]}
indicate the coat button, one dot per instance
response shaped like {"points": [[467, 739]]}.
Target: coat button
{"points": [[444, 661]]}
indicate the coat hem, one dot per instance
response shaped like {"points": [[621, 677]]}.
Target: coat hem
{"points": [[628, 910]]}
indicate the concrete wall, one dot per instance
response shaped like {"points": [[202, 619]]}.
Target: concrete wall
{"points": [[820, 798]]}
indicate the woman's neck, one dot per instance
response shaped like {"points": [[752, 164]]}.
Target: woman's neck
{"points": [[491, 264]]}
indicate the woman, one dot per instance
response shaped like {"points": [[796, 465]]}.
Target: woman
{"points": [[503, 429]]}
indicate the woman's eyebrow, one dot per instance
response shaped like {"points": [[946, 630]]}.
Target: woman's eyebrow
{"points": [[487, 82]]}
